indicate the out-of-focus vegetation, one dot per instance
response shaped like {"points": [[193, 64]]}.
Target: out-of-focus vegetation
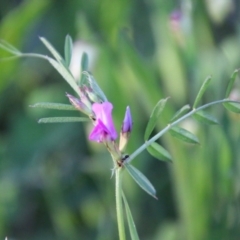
{"points": [[55, 184]]}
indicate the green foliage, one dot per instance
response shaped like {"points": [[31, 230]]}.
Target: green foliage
{"points": [[131, 224], [184, 135], [159, 152], [141, 180], [154, 118], [55, 183]]}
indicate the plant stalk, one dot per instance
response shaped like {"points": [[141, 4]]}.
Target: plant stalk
{"points": [[119, 203]]}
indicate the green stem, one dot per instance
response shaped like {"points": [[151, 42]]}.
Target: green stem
{"points": [[158, 135], [119, 204]]}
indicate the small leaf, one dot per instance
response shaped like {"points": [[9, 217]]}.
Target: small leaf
{"points": [[233, 107], [131, 224], [51, 49], [84, 62], [202, 90], [141, 180], [65, 74], [180, 112], [231, 82], [204, 117], [89, 80], [154, 117], [9, 48], [159, 152], [68, 50], [184, 135], [57, 106], [62, 119]]}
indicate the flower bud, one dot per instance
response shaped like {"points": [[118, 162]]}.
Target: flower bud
{"points": [[126, 129], [79, 105]]}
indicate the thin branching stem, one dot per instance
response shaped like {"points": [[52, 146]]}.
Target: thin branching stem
{"points": [[169, 126]]}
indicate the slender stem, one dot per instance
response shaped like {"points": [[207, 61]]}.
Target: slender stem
{"points": [[169, 126], [119, 205]]}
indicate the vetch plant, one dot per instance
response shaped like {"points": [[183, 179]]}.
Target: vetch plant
{"points": [[91, 101]]}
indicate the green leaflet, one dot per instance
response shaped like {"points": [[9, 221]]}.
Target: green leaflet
{"points": [[141, 180], [65, 74], [180, 112], [233, 107], [68, 50], [131, 224], [154, 117], [231, 82], [184, 135], [62, 119], [205, 117], [57, 106], [201, 91], [159, 152], [51, 49]]}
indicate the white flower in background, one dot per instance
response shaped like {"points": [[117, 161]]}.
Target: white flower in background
{"points": [[190, 125], [79, 47], [219, 9]]}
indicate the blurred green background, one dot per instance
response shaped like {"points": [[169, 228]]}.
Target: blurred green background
{"points": [[55, 184]]}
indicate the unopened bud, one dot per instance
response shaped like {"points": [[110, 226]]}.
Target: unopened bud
{"points": [[126, 129], [79, 105]]}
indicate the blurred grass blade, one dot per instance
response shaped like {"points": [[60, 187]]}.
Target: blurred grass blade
{"points": [[65, 74], [204, 117], [68, 50], [154, 117], [202, 90], [141, 180], [231, 82], [184, 135], [51, 49], [180, 112], [93, 84], [62, 119], [57, 106], [131, 224], [9, 48], [233, 107], [159, 152]]}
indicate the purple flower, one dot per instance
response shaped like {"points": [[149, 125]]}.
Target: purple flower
{"points": [[104, 129], [127, 122]]}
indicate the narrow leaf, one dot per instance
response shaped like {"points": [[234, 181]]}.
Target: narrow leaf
{"points": [[51, 49], [154, 117], [131, 224], [141, 180], [180, 112], [9, 48], [84, 62], [231, 82], [202, 90], [57, 106], [65, 74], [159, 152], [68, 50], [62, 119], [204, 117], [233, 107], [184, 135]]}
